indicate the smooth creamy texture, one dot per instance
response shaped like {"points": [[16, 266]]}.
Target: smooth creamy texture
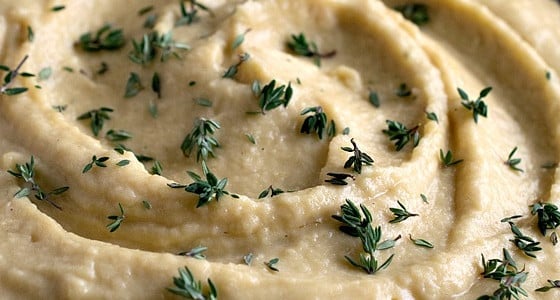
{"points": [[70, 254]]}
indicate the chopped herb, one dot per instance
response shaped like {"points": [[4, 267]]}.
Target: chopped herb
{"points": [[505, 271], [248, 258], [58, 8], [317, 122], [403, 90], [477, 106], [100, 162], [271, 264], [358, 226], [10, 77], [147, 204], [145, 10], [421, 242], [201, 137], [186, 286], [239, 39], [146, 50], [251, 138], [27, 173], [133, 86], [270, 96], [339, 178], [211, 188], [424, 198], [118, 135], [417, 13], [60, 108], [120, 148], [98, 118], [399, 133], [300, 46], [548, 75], [150, 21], [374, 99], [548, 216], [122, 163], [157, 169], [106, 38], [523, 242], [156, 84], [45, 73], [30, 34], [273, 192], [189, 15], [346, 131], [117, 220], [432, 116], [552, 284], [358, 159], [68, 69], [197, 252], [447, 159], [232, 70], [513, 162], [203, 102], [401, 214]]}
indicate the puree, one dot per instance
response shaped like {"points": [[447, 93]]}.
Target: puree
{"points": [[62, 247]]}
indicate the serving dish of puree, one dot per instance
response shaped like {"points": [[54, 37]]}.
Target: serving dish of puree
{"points": [[268, 149]]}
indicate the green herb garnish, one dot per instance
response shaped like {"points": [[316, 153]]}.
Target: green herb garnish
{"points": [[106, 38], [156, 169], [399, 133], [30, 34], [271, 264], [44, 74], [339, 178], [146, 50], [10, 77], [239, 39], [186, 286], [147, 204], [123, 162], [273, 192], [156, 84], [133, 86], [477, 106], [421, 242], [358, 159], [447, 159], [232, 70], [513, 162], [270, 96], [58, 8], [97, 117], [251, 138], [548, 216], [552, 284], [117, 135], [203, 102], [300, 46], [523, 242], [248, 258], [417, 13], [189, 14], [60, 108], [374, 99], [100, 162], [432, 116], [27, 173], [196, 252], [401, 214], [201, 138], [117, 220], [403, 90], [505, 271], [317, 122]]}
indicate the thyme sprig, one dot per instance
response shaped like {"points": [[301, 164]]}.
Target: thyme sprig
{"points": [[513, 162], [273, 192], [105, 38], [525, 243], [196, 252], [399, 133], [99, 162], [186, 286], [301, 46], [356, 225], [548, 216], [317, 122], [145, 50], [270, 96], [416, 13], [190, 14], [116, 220], [201, 138], [207, 189], [401, 213], [97, 118], [117, 135], [10, 77], [339, 178], [27, 173], [358, 159], [232, 70], [505, 271], [447, 158], [477, 106], [552, 284]]}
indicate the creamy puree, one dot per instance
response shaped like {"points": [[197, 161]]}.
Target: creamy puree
{"points": [[70, 253]]}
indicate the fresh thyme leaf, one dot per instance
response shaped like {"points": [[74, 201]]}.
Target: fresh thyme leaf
{"points": [[189, 14], [116, 220], [147, 204], [27, 173], [150, 21], [548, 216], [248, 258], [339, 178], [133, 86], [505, 271], [300, 46], [203, 102], [45, 73], [122, 163], [201, 138], [399, 133], [207, 189], [58, 8], [156, 84], [477, 106], [523, 242], [232, 70], [239, 39], [401, 214], [270, 96], [421, 242], [417, 13], [424, 198], [59, 108], [317, 122], [346, 131], [97, 118], [358, 159], [432, 116], [100, 162], [186, 286], [552, 284], [146, 49], [271, 264], [106, 38], [15, 91], [273, 192], [145, 10], [549, 165], [10, 78], [153, 109], [30, 34], [513, 162], [157, 169], [403, 90], [374, 99], [447, 159], [68, 69], [197, 252], [251, 138], [118, 135]]}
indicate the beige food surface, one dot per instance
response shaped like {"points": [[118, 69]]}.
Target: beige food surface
{"points": [[69, 253]]}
